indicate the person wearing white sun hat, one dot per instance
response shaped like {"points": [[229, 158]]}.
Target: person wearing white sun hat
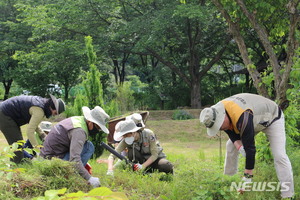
{"points": [[242, 116], [143, 148], [137, 118], [68, 140]]}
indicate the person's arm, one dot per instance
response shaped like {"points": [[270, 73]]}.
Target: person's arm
{"points": [[233, 136], [153, 151], [121, 146], [78, 138], [37, 115], [248, 141]]}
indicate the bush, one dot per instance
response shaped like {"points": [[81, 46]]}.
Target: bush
{"points": [[181, 115], [33, 178]]}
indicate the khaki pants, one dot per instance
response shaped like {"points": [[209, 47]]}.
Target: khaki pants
{"points": [[276, 135], [160, 164]]}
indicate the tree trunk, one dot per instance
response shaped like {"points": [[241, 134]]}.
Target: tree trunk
{"points": [[195, 95], [7, 86], [235, 31]]}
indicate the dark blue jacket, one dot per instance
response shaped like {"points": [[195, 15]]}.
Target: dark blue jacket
{"points": [[18, 107]]}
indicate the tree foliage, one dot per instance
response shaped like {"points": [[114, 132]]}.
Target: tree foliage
{"points": [[275, 26]]}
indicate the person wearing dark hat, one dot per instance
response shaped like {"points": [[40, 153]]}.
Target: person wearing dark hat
{"points": [[143, 148], [242, 116], [20, 110], [68, 140]]}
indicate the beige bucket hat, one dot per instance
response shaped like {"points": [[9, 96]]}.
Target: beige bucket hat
{"points": [[137, 118], [213, 118], [97, 116], [46, 126], [59, 104], [124, 127]]}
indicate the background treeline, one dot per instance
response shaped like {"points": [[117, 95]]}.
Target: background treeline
{"points": [[150, 54]]}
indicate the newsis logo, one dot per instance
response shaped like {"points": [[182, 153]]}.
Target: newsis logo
{"points": [[259, 186]]}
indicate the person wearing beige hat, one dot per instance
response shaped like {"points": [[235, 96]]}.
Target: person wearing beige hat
{"points": [[143, 148], [137, 118], [242, 116], [68, 140], [20, 110]]}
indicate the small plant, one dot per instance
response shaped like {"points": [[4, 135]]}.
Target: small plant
{"points": [[97, 193], [181, 115], [263, 152]]}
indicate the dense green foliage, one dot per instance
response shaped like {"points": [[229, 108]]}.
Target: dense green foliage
{"points": [[177, 49]]}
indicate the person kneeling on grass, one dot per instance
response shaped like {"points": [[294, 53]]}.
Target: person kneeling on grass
{"points": [[143, 148], [68, 140]]}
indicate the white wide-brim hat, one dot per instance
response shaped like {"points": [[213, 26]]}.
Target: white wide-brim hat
{"points": [[97, 116], [213, 118], [59, 104], [46, 126], [124, 127], [137, 118]]}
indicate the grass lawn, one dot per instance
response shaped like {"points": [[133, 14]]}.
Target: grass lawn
{"points": [[198, 167]]}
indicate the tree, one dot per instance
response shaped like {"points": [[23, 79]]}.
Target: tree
{"points": [[276, 27], [93, 90], [189, 43], [51, 62], [92, 83], [13, 37]]}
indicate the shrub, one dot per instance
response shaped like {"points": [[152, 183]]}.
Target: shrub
{"points": [[181, 115]]}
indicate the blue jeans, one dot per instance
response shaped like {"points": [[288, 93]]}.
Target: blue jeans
{"points": [[86, 154], [25, 153]]}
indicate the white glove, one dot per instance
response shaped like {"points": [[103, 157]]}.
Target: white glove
{"points": [[247, 178], [137, 167], [110, 173], [94, 181], [242, 151]]}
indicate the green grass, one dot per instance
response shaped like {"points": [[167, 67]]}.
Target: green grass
{"points": [[198, 169]]}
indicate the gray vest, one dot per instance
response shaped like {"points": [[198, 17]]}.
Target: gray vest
{"points": [[265, 111], [57, 142]]}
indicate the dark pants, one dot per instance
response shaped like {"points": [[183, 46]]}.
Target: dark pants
{"points": [[12, 133], [160, 164]]}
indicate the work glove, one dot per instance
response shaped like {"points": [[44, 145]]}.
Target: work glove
{"points": [[94, 181], [242, 150], [88, 167], [247, 178], [110, 173], [137, 167]]}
